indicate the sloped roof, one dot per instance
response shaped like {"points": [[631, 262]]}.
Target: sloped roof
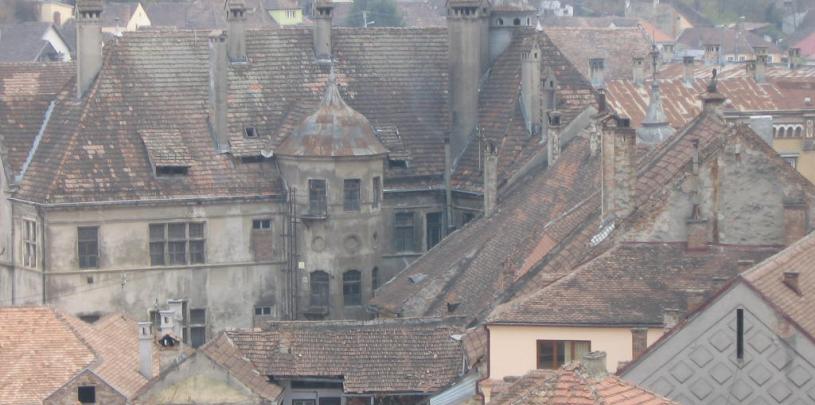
{"points": [[617, 46], [807, 45], [22, 42], [26, 91], [406, 355], [40, 352], [202, 14], [571, 385], [630, 285], [115, 340], [223, 351], [731, 41], [118, 14], [768, 279], [733, 70]]}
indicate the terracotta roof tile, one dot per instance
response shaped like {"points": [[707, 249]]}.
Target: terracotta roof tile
{"points": [[617, 46], [223, 351]]}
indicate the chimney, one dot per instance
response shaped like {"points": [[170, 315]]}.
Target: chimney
{"points": [[490, 178], [638, 73], [712, 54], [553, 137], [687, 71], [167, 324], [698, 234], [146, 349], [465, 21], [236, 27], [670, 317], [597, 69], [619, 168], [323, 13], [667, 52], [791, 281], [639, 341], [530, 87], [695, 299], [760, 71], [594, 365], [88, 43], [218, 88], [795, 220], [794, 56], [712, 100]]}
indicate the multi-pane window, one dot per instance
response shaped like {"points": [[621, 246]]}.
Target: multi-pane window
{"points": [[177, 243], [263, 311], [316, 197], [261, 224], [319, 289], [552, 354], [350, 201], [403, 239], [352, 288], [88, 246], [198, 327], [377, 190], [30, 243]]}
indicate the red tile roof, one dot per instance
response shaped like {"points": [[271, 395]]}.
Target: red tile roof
{"points": [[571, 385], [617, 46]]}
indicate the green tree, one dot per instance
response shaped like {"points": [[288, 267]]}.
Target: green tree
{"points": [[383, 13]]}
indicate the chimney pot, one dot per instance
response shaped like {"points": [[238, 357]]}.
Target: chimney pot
{"points": [[323, 14], [594, 364], [490, 178], [791, 281]]}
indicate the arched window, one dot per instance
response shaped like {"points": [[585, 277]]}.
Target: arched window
{"points": [[500, 21], [352, 288], [375, 278], [319, 289], [516, 21], [798, 131]]}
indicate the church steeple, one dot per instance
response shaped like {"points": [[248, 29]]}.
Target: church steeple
{"points": [[655, 127]]}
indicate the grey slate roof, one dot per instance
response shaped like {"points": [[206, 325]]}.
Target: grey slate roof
{"points": [[22, 42]]}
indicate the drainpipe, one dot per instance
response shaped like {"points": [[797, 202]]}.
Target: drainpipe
{"points": [[13, 263]]}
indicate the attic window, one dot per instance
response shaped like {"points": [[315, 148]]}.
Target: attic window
{"points": [[165, 171], [397, 164], [250, 132], [251, 159], [86, 395]]}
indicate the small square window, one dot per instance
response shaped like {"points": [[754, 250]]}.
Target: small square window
{"points": [[263, 310], [86, 395], [250, 132]]}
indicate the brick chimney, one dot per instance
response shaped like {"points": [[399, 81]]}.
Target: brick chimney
{"points": [[698, 234], [236, 27], [553, 137], [619, 168], [795, 220], [146, 349], [218, 89], [638, 73], [466, 36], [794, 58], [530, 87], [687, 69], [323, 13], [597, 71], [88, 43], [712, 56], [594, 365], [490, 178]]}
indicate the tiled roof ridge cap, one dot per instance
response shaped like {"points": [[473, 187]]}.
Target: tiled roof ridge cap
{"points": [[447, 321], [97, 361]]}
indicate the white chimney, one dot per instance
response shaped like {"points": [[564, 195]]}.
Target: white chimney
{"points": [[146, 349]]}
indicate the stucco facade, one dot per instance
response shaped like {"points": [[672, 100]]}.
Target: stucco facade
{"points": [[513, 349]]}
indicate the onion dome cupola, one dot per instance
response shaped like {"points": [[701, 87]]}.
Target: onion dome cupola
{"points": [[655, 127], [334, 130]]}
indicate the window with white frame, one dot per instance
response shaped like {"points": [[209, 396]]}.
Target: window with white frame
{"points": [[30, 243]]}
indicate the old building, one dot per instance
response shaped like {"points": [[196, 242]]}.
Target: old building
{"points": [[32, 42], [54, 358], [751, 342], [621, 233], [246, 181], [326, 362], [121, 17]]}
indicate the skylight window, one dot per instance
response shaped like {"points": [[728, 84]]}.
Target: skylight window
{"points": [[250, 132]]}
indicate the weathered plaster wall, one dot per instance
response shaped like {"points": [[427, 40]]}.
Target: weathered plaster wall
{"points": [[198, 380], [68, 393], [513, 349]]}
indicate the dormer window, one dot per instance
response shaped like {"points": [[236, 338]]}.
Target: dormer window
{"points": [[167, 152], [250, 132], [397, 164]]}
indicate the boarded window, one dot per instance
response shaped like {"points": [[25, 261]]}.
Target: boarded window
{"points": [[350, 201], [377, 190], [352, 288], [319, 289], [88, 247], [552, 354], [403, 232], [177, 243], [316, 197]]}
